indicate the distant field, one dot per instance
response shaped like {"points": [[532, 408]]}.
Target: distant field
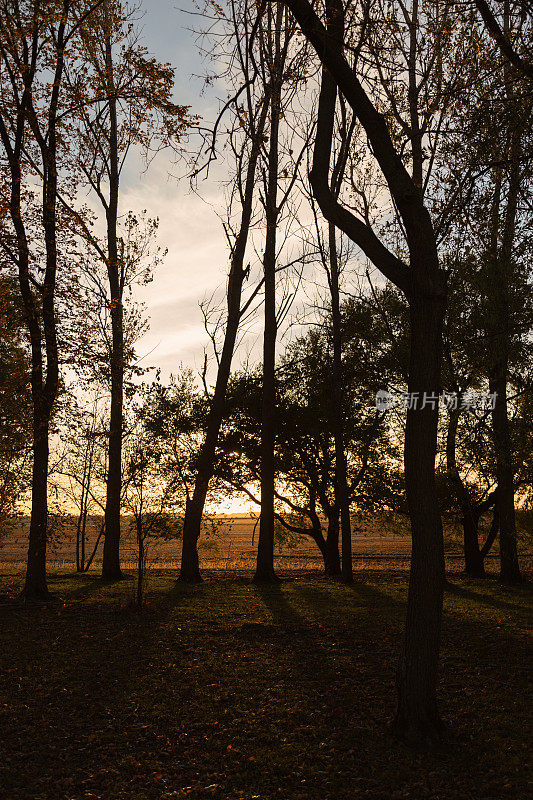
{"points": [[228, 544]]}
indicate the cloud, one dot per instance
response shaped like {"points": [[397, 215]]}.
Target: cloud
{"points": [[195, 266]]}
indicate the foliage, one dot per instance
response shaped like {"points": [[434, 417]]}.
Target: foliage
{"points": [[15, 403], [305, 452]]}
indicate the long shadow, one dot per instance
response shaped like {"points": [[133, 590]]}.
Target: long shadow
{"points": [[60, 587], [119, 701], [275, 600], [482, 598], [358, 595], [373, 595], [88, 584], [362, 617]]}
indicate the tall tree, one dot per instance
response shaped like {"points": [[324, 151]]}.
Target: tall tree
{"points": [[246, 44], [500, 258], [489, 163], [424, 284], [511, 180], [252, 119], [120, 103], [330, 256], [515, 47], [306, 498], [284, 67], [15, 401], [275, 52], [34, 40]]}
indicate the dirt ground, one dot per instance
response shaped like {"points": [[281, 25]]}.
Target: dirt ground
{"points": [[233, 691]]}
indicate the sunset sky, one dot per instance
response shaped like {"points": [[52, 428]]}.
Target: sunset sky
{"points": [[197, 256], [197, 261]]}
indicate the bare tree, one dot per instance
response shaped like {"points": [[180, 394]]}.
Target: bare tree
{"points": [[118, 104], [252, 120], [243, 44], [274, 54]]}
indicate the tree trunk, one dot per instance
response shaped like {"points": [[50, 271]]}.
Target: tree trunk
{"points": [[43, 392], [417, 718], [111, 557], [493, 532], [424, 284], [140, 562], [332, 557], [111, 570], [86, 508], [341, 482], [501, 318], [95, 548], [329, 553], [83, 530], [265, 549], [474, 565], [470, 517], [80, 557], [35, 586], [194, 507], [509, 566], [190, 570], [78, 532], [329, 546]]}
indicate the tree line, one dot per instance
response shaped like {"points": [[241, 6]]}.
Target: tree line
{"points": [[377, 162]]}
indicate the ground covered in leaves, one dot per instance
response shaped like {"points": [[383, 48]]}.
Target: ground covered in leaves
{"points": [[228, 690]]}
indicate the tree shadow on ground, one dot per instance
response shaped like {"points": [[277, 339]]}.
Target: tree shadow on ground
{"points": [[87, 585], [483, 596], [275, 599], [170, 702]]}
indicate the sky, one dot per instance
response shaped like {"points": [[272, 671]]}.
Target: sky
{"points": [[197, 260]]}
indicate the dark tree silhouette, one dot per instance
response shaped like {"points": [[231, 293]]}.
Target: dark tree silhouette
{"points": [[424, 284]]}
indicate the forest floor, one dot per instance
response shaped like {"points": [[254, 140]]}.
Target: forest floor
{"points": [[229, 690]]}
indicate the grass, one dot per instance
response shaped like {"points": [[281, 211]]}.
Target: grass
{"points": [[228, 690]]}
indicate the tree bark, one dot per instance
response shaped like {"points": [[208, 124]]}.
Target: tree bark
{"points": [[493, 532], [332, 562], [44, 390], [190, 569], [417, 718], [424, 285], [265, 548], [140, 560], [35, 584], [329, 546], [474, 564], [111, 570], [509, 566], [86, 506], [329, 550], [501, 263], [80, 526], [470, 516], [341, 481], [194, 507]]}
